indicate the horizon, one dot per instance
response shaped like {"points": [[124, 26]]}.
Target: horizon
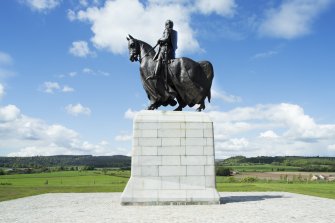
{"points": [[67, 86]]}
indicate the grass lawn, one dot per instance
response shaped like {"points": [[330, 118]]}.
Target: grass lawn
{"points": [[326, 190], [22, 185]]}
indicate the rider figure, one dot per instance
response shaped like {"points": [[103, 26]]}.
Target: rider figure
{"points": [[167, 47]]}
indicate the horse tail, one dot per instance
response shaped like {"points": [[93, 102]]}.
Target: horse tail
{"points": [[207, 67]]}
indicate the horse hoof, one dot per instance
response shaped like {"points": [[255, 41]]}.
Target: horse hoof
{"points": [[178, 109], [172, 102], [151, 107]]}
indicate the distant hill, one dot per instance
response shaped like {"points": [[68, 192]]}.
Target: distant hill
{"points": [[65, 160]]}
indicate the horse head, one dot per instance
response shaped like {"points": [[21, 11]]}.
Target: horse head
{"points": [[134, 48]]}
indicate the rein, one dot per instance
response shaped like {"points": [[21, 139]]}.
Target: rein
{"points": [[149, 52]]}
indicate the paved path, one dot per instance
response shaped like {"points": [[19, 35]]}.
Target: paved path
{"points": [[236, 207]]}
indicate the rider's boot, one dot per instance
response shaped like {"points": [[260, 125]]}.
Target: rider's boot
{"points": [[157, 68]]}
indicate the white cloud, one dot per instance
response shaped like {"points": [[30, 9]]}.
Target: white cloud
{"points": [[234, 144], [112, 22], [85, 71], [130, 114], [77, 109], [229, 98], [268, 134], [123, 137], [299, 133], [42, 5], [264, 55], [27, 136], [2, 91], [73, 74], [52, 87], [71, 15], [292, 18], [220, 7], [83, 2], [5, 59], [4, 73], [67, 89], [331, 147], [80, 49], [9, 113]]}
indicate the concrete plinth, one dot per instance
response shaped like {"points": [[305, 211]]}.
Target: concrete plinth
{"points": [[172, 160]]}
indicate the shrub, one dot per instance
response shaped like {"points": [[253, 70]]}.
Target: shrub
{"points": [[249, 179], [223, 171], [5, 183], [231, 180]]}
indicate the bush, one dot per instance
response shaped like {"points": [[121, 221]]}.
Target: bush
{"points": [[2, 172], [231, 180], [223, 171], [5, 183], [249, 179]]}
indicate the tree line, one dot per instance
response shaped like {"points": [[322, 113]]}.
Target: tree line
{"points": [[117, 161]]}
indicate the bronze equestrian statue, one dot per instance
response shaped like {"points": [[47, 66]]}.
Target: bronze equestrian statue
{"points": [[166, 78]]}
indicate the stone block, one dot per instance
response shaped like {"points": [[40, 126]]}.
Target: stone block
{"points": [[171, 151], [170, 183], [208, 133], [171, 133], [150, 160], [171, 196], [171, 160], [170, 141], [209, 170], [193, 182], [210, 161], [210, 181], [149, 171], [195, 141], [195, 170], [168, 171], [152, 183], [209, 150], [194, 133], [193, 160], [149, 141], [194, 150], [148, 150]]}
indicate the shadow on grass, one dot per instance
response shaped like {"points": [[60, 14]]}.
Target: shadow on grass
{"points": [[236, 199]]}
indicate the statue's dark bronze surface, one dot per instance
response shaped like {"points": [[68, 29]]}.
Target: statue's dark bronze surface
{"points": [[166, 78]]}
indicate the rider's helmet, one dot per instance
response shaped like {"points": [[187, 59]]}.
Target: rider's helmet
{"points": [[169, 24]]}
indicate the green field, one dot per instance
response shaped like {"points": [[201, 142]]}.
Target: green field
{"points": [[22, 185], [262, 168]]}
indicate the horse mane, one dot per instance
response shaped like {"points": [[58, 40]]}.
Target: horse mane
{"points": [[147, 47]]}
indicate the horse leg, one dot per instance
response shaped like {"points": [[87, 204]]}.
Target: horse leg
{"points": [[153, 106], [179, 108], [181, 104], [202, 106]]}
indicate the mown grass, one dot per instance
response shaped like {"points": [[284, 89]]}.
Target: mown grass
{"points": [[23, 185], [326, 190]]}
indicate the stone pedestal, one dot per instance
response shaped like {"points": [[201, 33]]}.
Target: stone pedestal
{"points": [[172, 160]]}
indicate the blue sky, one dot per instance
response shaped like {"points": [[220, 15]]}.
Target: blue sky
{"points": [[68, 87]]}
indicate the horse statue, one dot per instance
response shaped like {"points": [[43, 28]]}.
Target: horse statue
{"points": [[183, 79]]}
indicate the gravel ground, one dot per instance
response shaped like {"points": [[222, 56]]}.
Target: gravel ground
{"points": [[236, 207]]}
